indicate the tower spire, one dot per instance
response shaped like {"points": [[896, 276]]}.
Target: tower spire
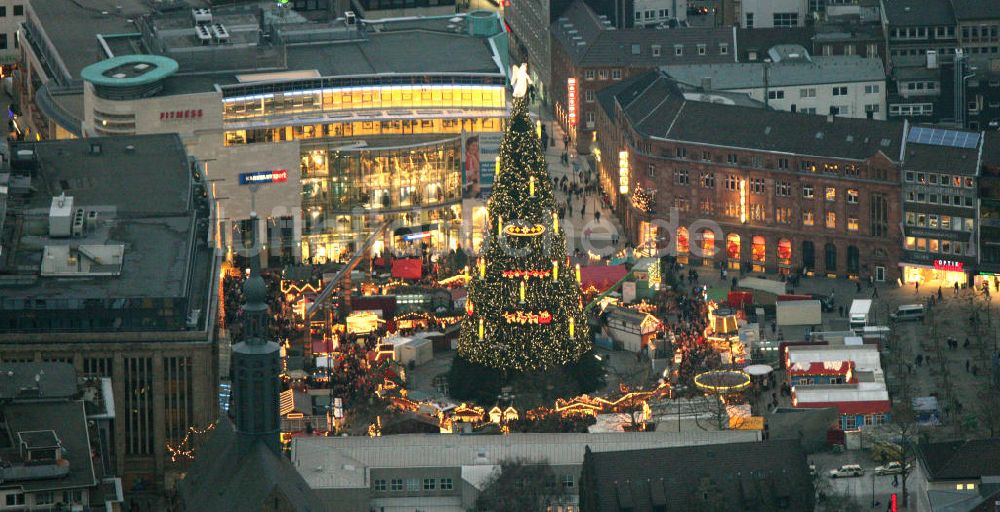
{"points": [[255, 324]]}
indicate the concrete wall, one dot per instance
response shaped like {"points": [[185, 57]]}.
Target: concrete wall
{"points": [[763, 11], [855, 101]]}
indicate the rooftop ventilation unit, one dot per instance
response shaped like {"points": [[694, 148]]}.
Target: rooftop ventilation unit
{"points": [[351, 18], [201, 15], [60, 216], [203, 34], [220, 33]]}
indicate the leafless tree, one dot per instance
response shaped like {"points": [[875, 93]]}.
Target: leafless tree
{"points": [[522, 485]]}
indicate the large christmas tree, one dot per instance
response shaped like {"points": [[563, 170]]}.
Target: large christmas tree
{"points": [[524, 309]]}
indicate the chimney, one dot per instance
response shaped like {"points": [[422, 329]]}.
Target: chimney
{"points": [[706, 83]]}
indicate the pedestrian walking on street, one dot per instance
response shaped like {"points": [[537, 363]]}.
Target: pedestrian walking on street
{"points": [[597, 216], [916, 287], [956, 287], [840, 310], [940, 295], [859, 286]]}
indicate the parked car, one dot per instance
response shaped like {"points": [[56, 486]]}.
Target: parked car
{"points": [[892, 468], [908, 312], [847, 470]]}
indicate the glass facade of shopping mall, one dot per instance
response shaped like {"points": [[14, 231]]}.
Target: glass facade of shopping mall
{"points": [[371, 153]]}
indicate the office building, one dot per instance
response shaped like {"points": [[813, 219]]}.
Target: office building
{"points": [[54, 439], [940, 189], [589, 54], [794, 81], [775, 192], [108, 265], [446, 473]]}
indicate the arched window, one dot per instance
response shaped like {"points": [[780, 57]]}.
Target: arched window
{"points": [[733, 246], [785, 251], [808, 255], [853, 260], [707, 243], [683, 246], [830, 257]]}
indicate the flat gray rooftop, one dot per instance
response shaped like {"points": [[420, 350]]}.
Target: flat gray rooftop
{"points": [[72, 27], [821, 70], [69, 422], [411, 51], [140, 190]]}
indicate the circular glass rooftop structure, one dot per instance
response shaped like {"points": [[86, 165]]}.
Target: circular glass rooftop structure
{"points": [[129, 76]]}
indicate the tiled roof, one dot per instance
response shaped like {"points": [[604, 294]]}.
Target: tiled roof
{"points": [[591, 42], [231, 474], [335, 454], [903, 13], [761, 40], [741, 476], [961, 459], [659, 110], [976, 9]]}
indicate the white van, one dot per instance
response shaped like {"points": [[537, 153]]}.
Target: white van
{"points": [[908, 312]]}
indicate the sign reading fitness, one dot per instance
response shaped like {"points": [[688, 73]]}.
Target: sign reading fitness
{"points": [[259, 177]]}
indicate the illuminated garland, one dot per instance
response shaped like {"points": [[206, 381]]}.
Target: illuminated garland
{"points": [[514, 274], [523, 317], [185, 448], [515, 230]]}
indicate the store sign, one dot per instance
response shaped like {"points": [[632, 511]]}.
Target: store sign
{"points": [[571, 105], [259, 177], [623, 172], [949, 265], [182, 114]]}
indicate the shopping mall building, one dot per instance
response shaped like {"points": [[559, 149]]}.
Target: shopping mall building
{"points": [[326, 129]]}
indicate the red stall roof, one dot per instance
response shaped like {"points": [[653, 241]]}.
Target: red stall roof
{"points": [[601, 277]]}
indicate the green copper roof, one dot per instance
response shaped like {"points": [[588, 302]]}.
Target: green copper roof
{"points": [[127, 70]]}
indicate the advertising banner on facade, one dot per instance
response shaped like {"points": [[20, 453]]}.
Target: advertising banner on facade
{"points": [[479, 162]]}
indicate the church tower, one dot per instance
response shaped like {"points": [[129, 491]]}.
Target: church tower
{"points": [[256, 362]]}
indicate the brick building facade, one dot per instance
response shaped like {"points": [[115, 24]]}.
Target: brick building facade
{"points": [[776, 192], [587, 51]]}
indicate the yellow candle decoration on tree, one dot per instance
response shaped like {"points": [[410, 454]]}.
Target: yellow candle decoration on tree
{"points": [[498, 167], [538, 129], [572, 326], [555, 270], [531, 186], [578, 279], [482, 268], [522, 291], [499, 226], [555, 221], [482, 328]]}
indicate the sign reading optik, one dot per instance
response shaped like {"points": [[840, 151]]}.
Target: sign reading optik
{"points": [[259, 177]]}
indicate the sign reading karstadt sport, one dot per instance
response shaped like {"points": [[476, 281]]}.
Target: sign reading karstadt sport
{"points": [[256, 178]]}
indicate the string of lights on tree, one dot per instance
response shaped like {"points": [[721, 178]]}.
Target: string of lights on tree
{"points": [[524, 310], [642, 200]]}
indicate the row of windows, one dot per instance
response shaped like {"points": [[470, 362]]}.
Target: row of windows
{"points": [[413, 484], [758, 161], [602, 74], [911, 109], [757, 186], [758, 212], [935, 221], [945, 199], [18, 10], [944, 180], [934, 245]]}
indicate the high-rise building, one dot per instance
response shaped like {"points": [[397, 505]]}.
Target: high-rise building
{"points": [[108, 266]]}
